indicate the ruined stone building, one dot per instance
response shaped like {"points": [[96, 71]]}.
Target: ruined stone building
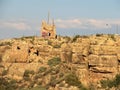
{"points": [[48, 30]]}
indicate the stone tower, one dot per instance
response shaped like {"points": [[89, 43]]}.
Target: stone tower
{"points": [[48, 30]]}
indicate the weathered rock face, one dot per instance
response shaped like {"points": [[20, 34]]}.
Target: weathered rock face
{"points": [[103, 60], [103, 49], [96, 57], [17, 53]]}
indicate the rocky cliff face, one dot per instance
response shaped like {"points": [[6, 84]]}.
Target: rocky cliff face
{"points": [[91, 58]]}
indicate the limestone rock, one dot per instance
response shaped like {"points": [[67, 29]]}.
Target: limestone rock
{"points": [[103, 60], [81, 48], [100, 50], [94, 60], [109, 60]]}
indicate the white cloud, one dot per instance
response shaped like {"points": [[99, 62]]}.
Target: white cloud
{"points": [[87, 23], [72, 23], [18, 25], [75, 23]]}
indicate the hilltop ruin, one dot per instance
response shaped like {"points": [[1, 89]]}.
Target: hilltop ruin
{"points": [[48, 30]]}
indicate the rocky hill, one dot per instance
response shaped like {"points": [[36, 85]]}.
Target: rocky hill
{"points": [[66, 63]]}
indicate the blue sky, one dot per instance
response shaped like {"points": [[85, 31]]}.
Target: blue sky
{"points": [[23, 17]]}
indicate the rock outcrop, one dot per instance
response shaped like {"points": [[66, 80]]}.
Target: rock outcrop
{"points": [[94, 57]]}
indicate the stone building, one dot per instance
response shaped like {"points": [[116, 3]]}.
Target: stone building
{"points": [[48, 30]]}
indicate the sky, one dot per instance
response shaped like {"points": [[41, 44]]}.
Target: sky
{"points": [[84, 17]]}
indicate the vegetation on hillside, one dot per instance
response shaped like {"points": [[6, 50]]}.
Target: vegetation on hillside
{"points": [[115, 82]]}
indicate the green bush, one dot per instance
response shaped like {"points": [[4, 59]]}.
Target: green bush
{"points": [[42, 69], [27, 72], [104, 83], [117, 80], [75, 38], [5, 43], [4, 72], [12, 85], [27, 78], [111, 83], [2, 87], [54, 61], [8, 84], [71, 79], [99, 35], [107, 83], [112, 36]]}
